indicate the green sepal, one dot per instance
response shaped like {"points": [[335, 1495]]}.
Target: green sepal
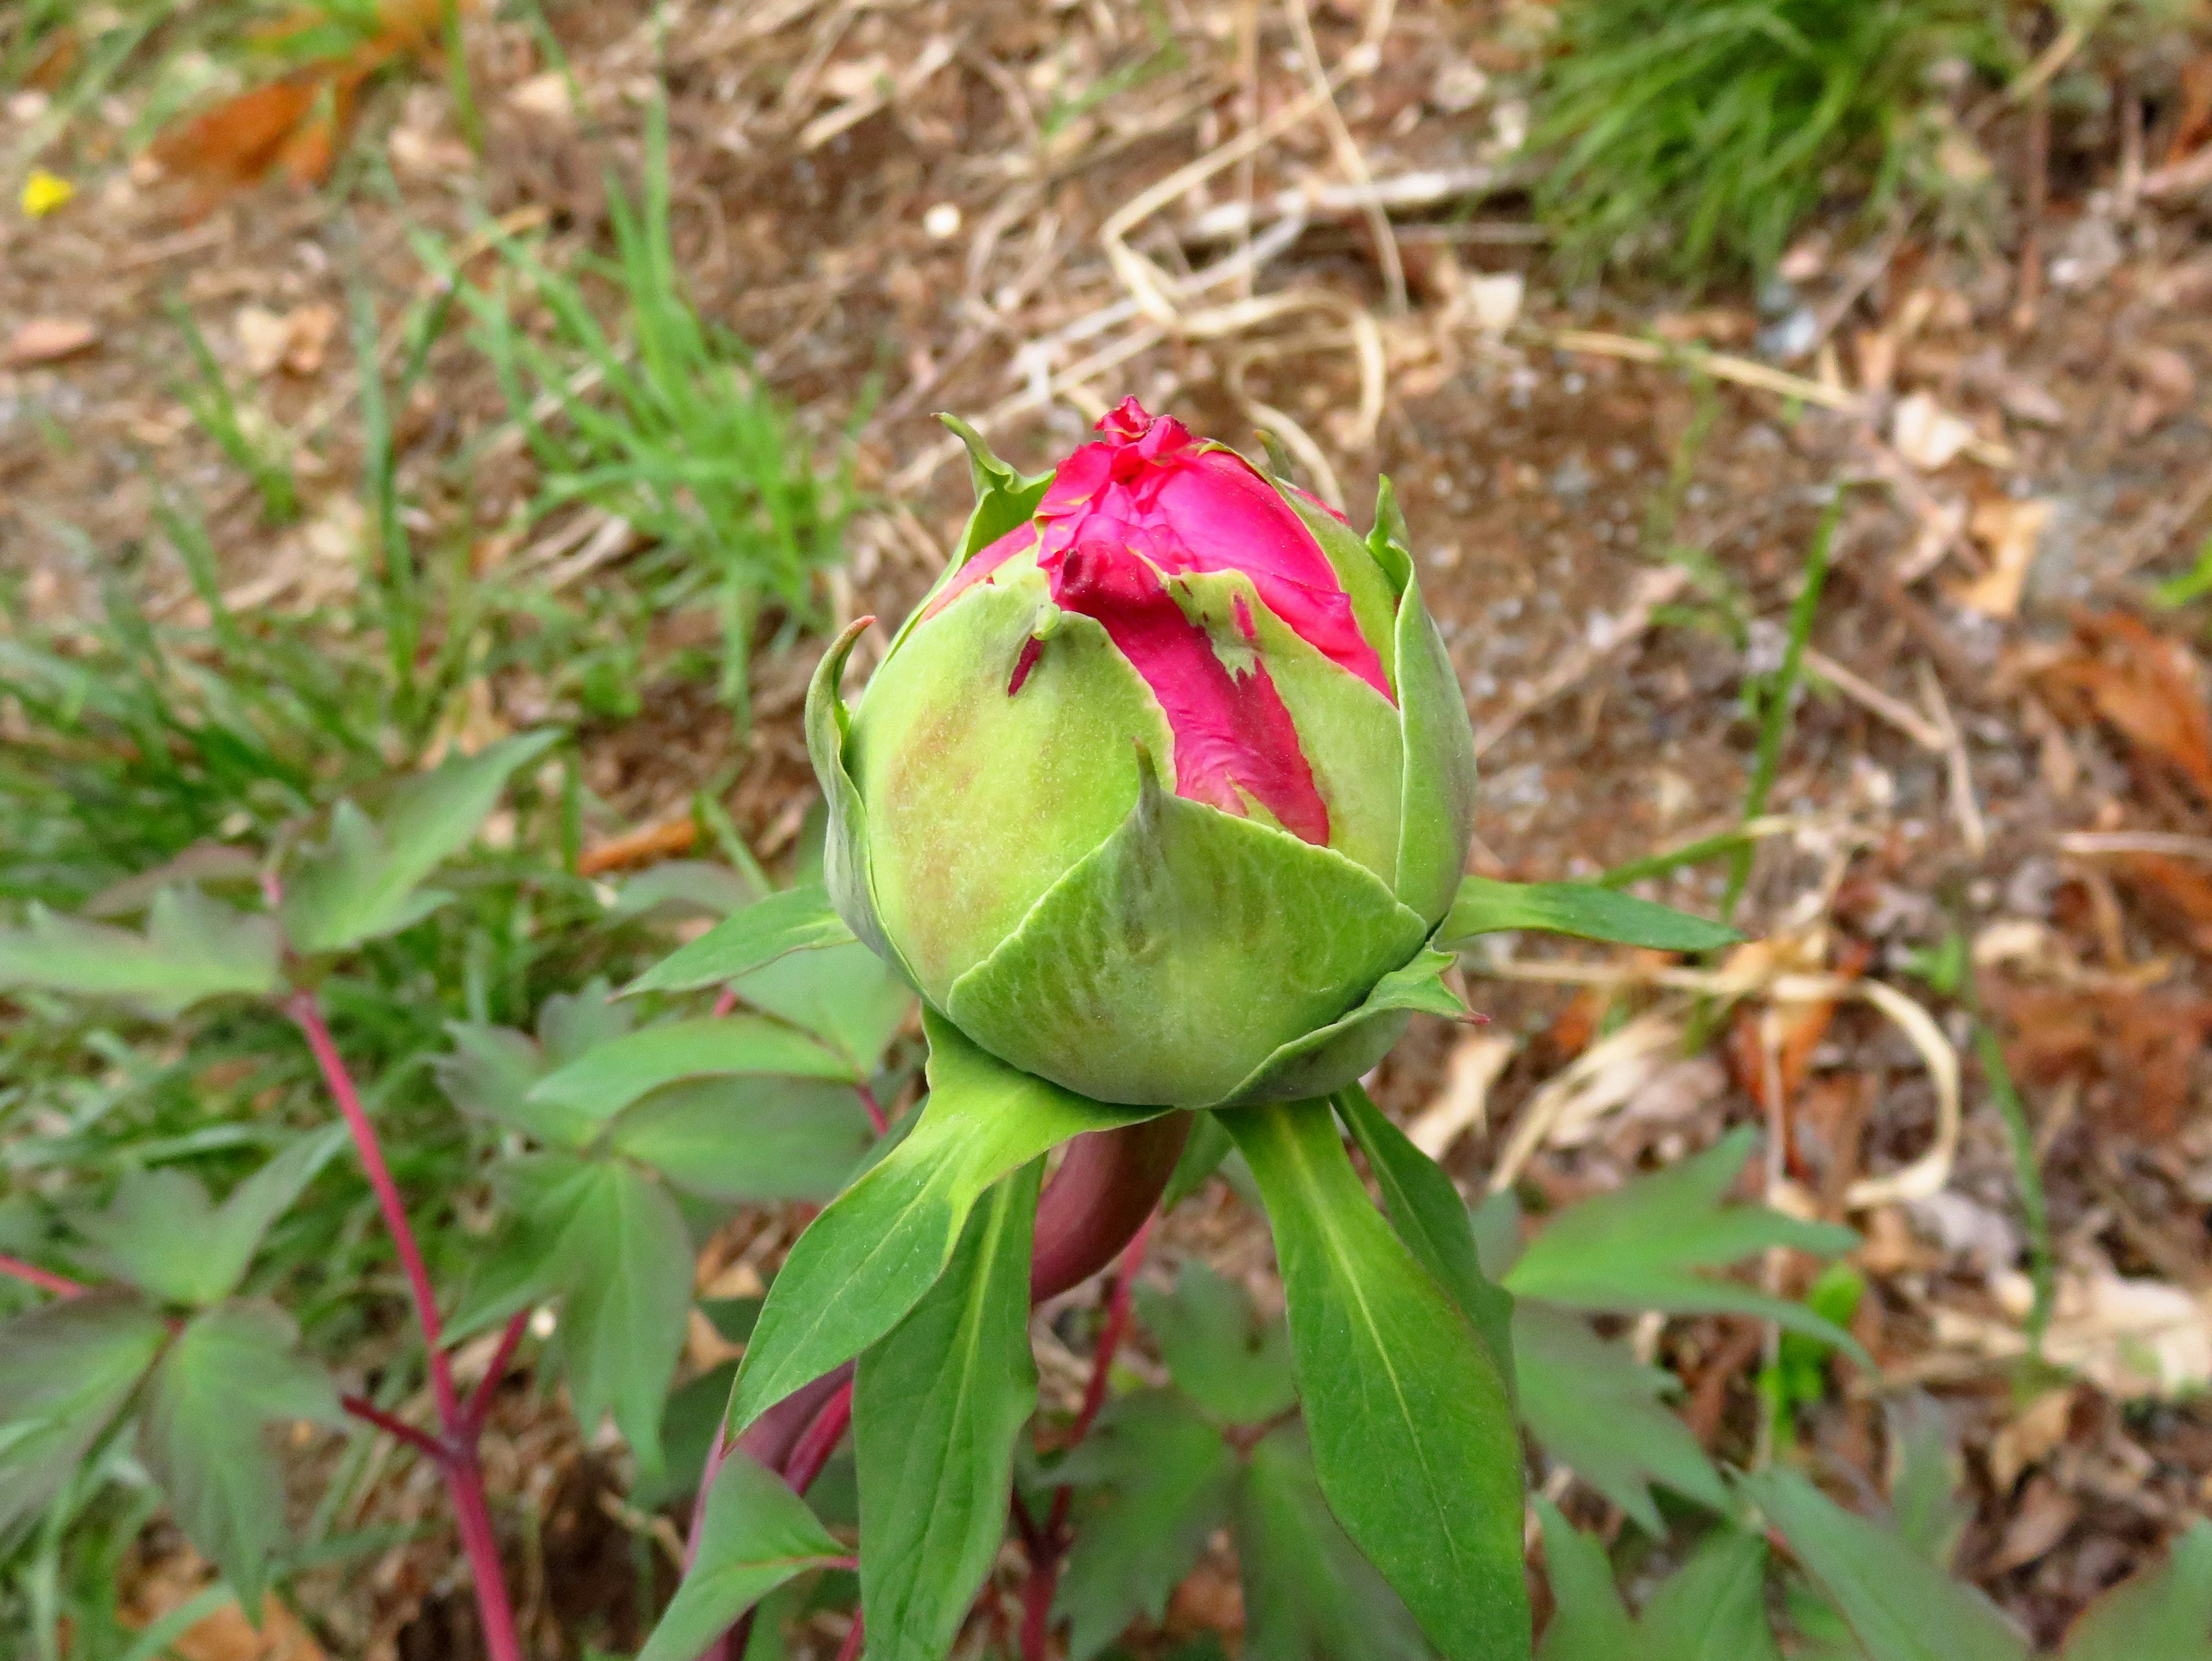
{"points": [[1332, 1056], [937, 1403], [881, 1245], [1003, 500], [1414, 1438], [845, 845], [1436, 815], [1187, 945], [1486, 906]]}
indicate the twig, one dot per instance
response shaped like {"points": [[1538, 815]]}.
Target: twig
{"points": [[2173, 843], [2029, 291], [1972, 828], [1349, 158], [1898, 713], [46, 1279]]}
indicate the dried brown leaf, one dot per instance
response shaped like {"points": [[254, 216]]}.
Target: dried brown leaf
{"points": [[2148, 687], [49, 340]]}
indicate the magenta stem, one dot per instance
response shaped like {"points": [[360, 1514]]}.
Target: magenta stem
{"points": [[455, 1452], [502, 1359], [46, 1279], [421, 1441]]}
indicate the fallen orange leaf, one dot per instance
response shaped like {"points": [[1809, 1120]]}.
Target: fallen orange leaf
{"points": [[2146, 686], [49, 340]]}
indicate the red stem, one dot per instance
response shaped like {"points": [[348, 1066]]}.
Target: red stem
{"points": [[501, 1358], [1037, 1593], [308, 1014], [46, 1279], [820, 1441], [456, 1454], [421, 1441], [877, 1116], [850, 1649]]}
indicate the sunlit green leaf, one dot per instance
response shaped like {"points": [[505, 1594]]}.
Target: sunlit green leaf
{"points": [[1641, 1247], [845, 993], [1486, 906], [232, 1372], [936, 1404], [1413, 1437], [756, 1534]]}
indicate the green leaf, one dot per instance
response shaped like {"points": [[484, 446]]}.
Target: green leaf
{"points": [[1156, 1481], [364, 882], [1923, 1486], [226, 1251], [621, 1259], [845, 994], [873, 1253], [1589, 1621], [1413, 1437], [193, 947], [678, 888], [936, 1404], [232, 1371], [757, 1535], [159, 1232], [1431, 1218], [1713, 1607], [489, 1075], [1596, 1406], [796, 920], [2161, 1613], [65, 1371], [1640, 1247], [1901, 1606], [1309, 1595], [1235, 1367], [748, 1139], [604, 1080], [1486, 906]]}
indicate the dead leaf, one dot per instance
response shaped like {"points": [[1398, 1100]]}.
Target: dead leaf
{"points": [[1476, 1061], [225, 1635], [2177, 895], [1928, 436], [294, 124], [2194, 124], [2165, 386], [2148, 687], [2008, 528], [2144, 1044], [295, 342], [543, 94], [2028, 1439], [2131, 1337], [49, 340], [2043, 1515]]}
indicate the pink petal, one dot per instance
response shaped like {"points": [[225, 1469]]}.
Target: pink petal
{"points": [[1233, 736]]}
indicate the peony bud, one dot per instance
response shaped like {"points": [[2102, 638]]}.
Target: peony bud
{"points": [[1163, 791]]}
